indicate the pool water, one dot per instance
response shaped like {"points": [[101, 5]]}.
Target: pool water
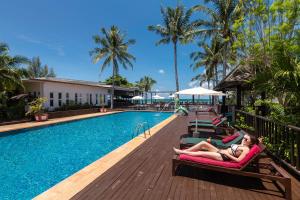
{"points": [[33, 160]]}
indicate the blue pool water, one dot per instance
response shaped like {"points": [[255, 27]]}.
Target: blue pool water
{"points": [[33, 160]]}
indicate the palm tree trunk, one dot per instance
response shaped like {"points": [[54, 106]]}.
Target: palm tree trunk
{"points": [[175, 65], [113, 89], [224, 64]]}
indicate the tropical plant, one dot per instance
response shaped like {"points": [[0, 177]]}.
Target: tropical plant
{"points": [[218, 20], [10, 73], [36, 106], [113, 49], [145, 84], [36, 70], [177, 27], [209, 59]]}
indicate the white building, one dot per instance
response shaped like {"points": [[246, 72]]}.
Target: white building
{"points": [[65, 91]]}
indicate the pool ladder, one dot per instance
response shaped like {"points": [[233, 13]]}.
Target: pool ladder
{"points": [[144, 126]]}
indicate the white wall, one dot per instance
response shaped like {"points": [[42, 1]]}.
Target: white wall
{"points": [[47, 87]]}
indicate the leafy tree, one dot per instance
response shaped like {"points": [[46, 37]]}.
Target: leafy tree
{"points": [[177, 27], [119, 81], [36, 70], [145, 84], [113, 49]]}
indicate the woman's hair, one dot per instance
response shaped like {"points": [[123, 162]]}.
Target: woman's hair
{"points": [[253, 140]]}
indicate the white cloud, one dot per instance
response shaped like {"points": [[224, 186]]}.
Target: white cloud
{"points": [[161, 71], [57, 48]]}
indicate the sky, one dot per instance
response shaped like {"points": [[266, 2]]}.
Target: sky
{"points": [[60, 33]]}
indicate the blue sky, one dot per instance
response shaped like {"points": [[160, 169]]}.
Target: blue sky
{"points": [[60, 32]]}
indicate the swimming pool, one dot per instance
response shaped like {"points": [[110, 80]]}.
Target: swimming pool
{"points": [[33, 160]]}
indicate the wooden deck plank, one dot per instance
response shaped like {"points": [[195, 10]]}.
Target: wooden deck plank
{"points": [[146, 174]]}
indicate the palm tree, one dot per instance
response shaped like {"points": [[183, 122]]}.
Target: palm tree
{"points": [[176, 27], [114, 50], [145, 84], [222, 15], [10, 73], [36, 70], [209, 58]]}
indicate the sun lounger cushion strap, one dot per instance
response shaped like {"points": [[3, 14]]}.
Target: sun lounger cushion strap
{"points": [[230, 138]]}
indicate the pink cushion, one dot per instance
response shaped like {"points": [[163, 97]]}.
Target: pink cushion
{"points": [[230, 138], [216, 122], [215, 118], [228, 164]]}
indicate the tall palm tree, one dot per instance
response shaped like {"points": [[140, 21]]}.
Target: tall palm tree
{"points": [[35, 69], [176, 27], [113, 49], [222, 14], [10, 73], [209, 58], [145, 84]]}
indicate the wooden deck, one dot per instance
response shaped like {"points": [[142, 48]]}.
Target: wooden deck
{"points": [[146, 173]]}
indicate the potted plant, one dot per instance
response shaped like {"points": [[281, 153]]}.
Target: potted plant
{"points": [[36, 109]]}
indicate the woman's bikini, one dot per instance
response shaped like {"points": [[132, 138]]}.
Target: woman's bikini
{"points": [[234, 148]]}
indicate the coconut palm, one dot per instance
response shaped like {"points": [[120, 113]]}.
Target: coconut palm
{"points": [[176, 27], [145, 84], [35, 69], [10, 73], [209, 58], [221, 16], [113, 49]]}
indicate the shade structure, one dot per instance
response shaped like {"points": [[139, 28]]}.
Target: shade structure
{"points": [[157, 97], [137, 98], [200, 91]]}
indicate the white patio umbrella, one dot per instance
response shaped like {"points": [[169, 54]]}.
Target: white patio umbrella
{"points": [[137, 98], [200, 91]]}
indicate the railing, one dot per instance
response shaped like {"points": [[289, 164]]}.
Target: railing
{"points": [[144, 126], [284, 139]]}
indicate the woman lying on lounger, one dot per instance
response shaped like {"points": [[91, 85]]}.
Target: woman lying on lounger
{"points": [[235, 153]]}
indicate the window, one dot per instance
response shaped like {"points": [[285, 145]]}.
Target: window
{"points": [[80, 98], [67, 98], [51, 99], [87, 98], [96, 99], [39, 94], [91, 102], [100, 98], [34, 94], [103, 98], [59, 99], [76, 98]]}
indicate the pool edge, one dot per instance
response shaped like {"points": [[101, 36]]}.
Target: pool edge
{"points": [[73, 184]]}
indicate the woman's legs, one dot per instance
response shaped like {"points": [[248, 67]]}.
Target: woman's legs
{"points": [[206, 154], [203, 145]]}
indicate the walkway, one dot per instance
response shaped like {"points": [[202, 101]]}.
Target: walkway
{"points": [[146, 174]]}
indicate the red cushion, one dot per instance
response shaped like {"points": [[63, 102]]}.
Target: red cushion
{"points": [[230, 138], [215, 118], [228, 164], [216, 122]]}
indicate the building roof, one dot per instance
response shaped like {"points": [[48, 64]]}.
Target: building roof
{"points": [[237, 77], [78, 82]]}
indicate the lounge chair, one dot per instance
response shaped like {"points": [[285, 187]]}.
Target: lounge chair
{"points": [[238, 168], [214, 125], [237, 137], [209, 121]]}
